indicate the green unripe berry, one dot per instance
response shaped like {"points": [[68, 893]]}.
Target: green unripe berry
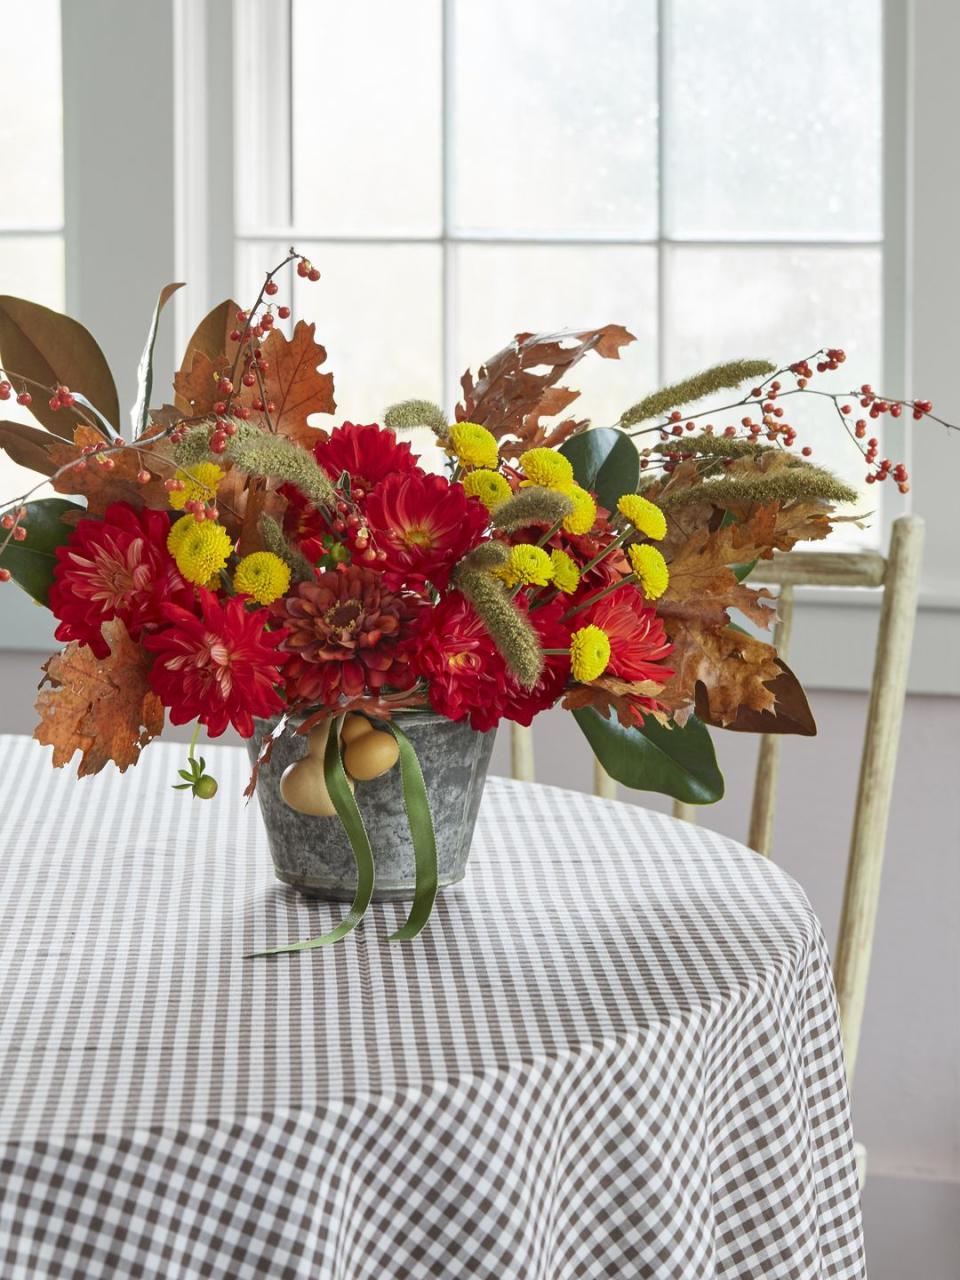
{"points": [[205, 788]]}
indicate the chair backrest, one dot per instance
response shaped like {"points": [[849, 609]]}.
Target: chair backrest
{"points": [[898, 576]]}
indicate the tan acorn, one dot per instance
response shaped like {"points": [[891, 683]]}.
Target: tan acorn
{"points": [[371, 755], [354, 727]]}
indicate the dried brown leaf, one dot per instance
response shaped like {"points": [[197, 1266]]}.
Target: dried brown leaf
{"points": [[103, 709], [517, 387]]}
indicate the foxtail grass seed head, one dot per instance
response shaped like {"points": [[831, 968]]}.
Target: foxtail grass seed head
{"points": [[509, 629], [406, 415], [719, 377], [275, 541], [534, 506]]}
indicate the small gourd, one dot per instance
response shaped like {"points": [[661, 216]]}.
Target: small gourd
{"points": [[303, 785], [371, 755]]}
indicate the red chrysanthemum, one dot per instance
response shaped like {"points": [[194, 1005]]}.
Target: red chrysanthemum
{"points": [[347, 634], [117, 567], [367, 453], [303, 523], [424, 525], [219, 668], [638, 642], [462, 665], [467, 675]]}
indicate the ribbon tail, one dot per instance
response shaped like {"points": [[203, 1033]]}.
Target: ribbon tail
{"points": [[349, 814], [421, 833]]}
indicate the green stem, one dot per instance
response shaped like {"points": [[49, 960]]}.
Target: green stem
{"points": [[618, 541], [549, 534], [193, 740], [611, 586]]}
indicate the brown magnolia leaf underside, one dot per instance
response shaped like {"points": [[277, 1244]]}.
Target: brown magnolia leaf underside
{"points": [[791, 711], [103, 709], [28, 446], [517, 387], [101, 486], [55, 350]]}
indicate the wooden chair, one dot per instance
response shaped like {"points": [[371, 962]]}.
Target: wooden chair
{"points": [[898, 576]]}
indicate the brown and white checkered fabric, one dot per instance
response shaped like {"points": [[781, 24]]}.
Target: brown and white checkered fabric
{"points": [[613, 1052]]}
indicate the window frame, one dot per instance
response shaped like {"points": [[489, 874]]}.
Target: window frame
{"points": [[173, 141]]}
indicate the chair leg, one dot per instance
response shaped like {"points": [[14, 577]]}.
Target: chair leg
{"points": [[862, 889]]}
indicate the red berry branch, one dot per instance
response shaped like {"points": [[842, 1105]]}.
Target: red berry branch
{"points": [[773, 426]]}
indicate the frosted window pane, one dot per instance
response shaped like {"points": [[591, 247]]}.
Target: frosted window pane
{"points": [[503, 290], [367, 116], [772, 119], [31, 115], [782, 305], [554, 116], [29, 268], [377, 309]]}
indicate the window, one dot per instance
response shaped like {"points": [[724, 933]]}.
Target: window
{"points": [[31, 194], [461, 170]]}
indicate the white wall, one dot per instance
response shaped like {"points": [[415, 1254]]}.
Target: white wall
{"points": [[907, 1098]]}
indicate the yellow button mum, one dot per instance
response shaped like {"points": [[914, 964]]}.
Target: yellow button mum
{"points": [[199, 481], [645, 516], [489, 486], [566, 573], [528, 565], [650, 568], [202, 551], [178, 531], [589, 653], [547, 468], [581, 518], [473, 445], [263, 576]]}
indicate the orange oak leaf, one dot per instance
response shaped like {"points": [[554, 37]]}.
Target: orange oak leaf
{"points": [[103, 709], [294, 383], [196, 383], [517, 387], [703, 588], [790, 714], [100, 485]]}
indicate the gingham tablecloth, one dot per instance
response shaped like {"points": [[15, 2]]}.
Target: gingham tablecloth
{"points": [[613, 1052]]}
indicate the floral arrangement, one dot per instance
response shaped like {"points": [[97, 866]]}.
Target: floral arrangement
{"points": [[234, 561]]}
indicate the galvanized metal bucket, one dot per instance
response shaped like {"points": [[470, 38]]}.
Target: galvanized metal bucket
{"points": [[314, 854]]}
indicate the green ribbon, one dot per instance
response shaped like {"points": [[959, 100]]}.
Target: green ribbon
{"points": [[421, 833], [349, 814]]}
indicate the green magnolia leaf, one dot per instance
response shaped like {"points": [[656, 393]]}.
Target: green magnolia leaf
{"points": [[31, 562], [139, 412], [55, 350], [605, 460], [678, 762]]}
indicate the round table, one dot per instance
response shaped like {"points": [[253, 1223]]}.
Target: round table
{"points": [[613, 1051]]}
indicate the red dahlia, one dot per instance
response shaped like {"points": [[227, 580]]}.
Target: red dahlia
{"points": [[220, 668], [466, 672], [368, 453], [347, 634], [638, 642], [424, 525], [117, 567]]}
